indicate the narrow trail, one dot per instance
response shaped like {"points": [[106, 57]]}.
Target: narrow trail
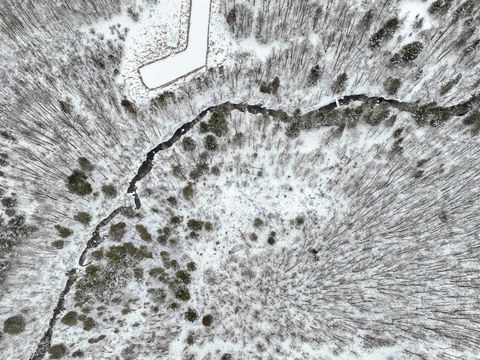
{"points": [[147, 166]]}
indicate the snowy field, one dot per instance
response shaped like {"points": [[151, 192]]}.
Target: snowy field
{"points": [[164, 71]]}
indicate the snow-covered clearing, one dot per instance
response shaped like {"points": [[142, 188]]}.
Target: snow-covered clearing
{"points": [[193, 58]]}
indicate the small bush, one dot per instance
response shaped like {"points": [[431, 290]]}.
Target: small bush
{"points": [[57, 351], [299, 220], [70, 318], [253, 236], [58, 244], [191, 266], [232, 17], [340, 83], [208, 226], [384, 33], [167, 230], [440, 7], [175, 219], [183, 276], [162, 239], [143, 232], [9, 202], [215, 170], [210, 142], [313, 75], [188, 144], [77, 183], [127, 253], [272, 238], [408, 53], [3, 159], [226, 356], [270, 88], [63, 231], [174, 264], [138, 273], [199, 170], [14, 325], [207, 320], [217, 123], [78, 354], [83, 217], [10, 212], [85, 164], [204, 127], [97, 254], [239, 138], [191, 338], [293, 128], [88, 324], [191, 315], [172, 200], [131, 213], [182, 293], [258, 222], [109, 191], [392, 85], [195, 225], [472, 119], [117, 231], [188, 192], [446, 87], [465, 9]]}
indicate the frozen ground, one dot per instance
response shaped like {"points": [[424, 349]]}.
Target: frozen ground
{"points": [[164, 71], [71, 88]]}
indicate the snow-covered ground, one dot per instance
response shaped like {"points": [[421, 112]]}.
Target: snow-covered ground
{"points": [[162, 72], [51, 139]]}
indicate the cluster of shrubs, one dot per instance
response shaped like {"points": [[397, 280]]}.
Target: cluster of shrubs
{"points": [[191, 315], [127, 254], [77, 182], [177, 281], [72, 318], [216, 124]]}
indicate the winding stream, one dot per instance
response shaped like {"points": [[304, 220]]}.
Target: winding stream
{"points": [[147, 165]]}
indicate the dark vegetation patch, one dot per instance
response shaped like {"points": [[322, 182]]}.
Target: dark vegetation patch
{"points": [[83, 218], [14, 325], [77, 183]]}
